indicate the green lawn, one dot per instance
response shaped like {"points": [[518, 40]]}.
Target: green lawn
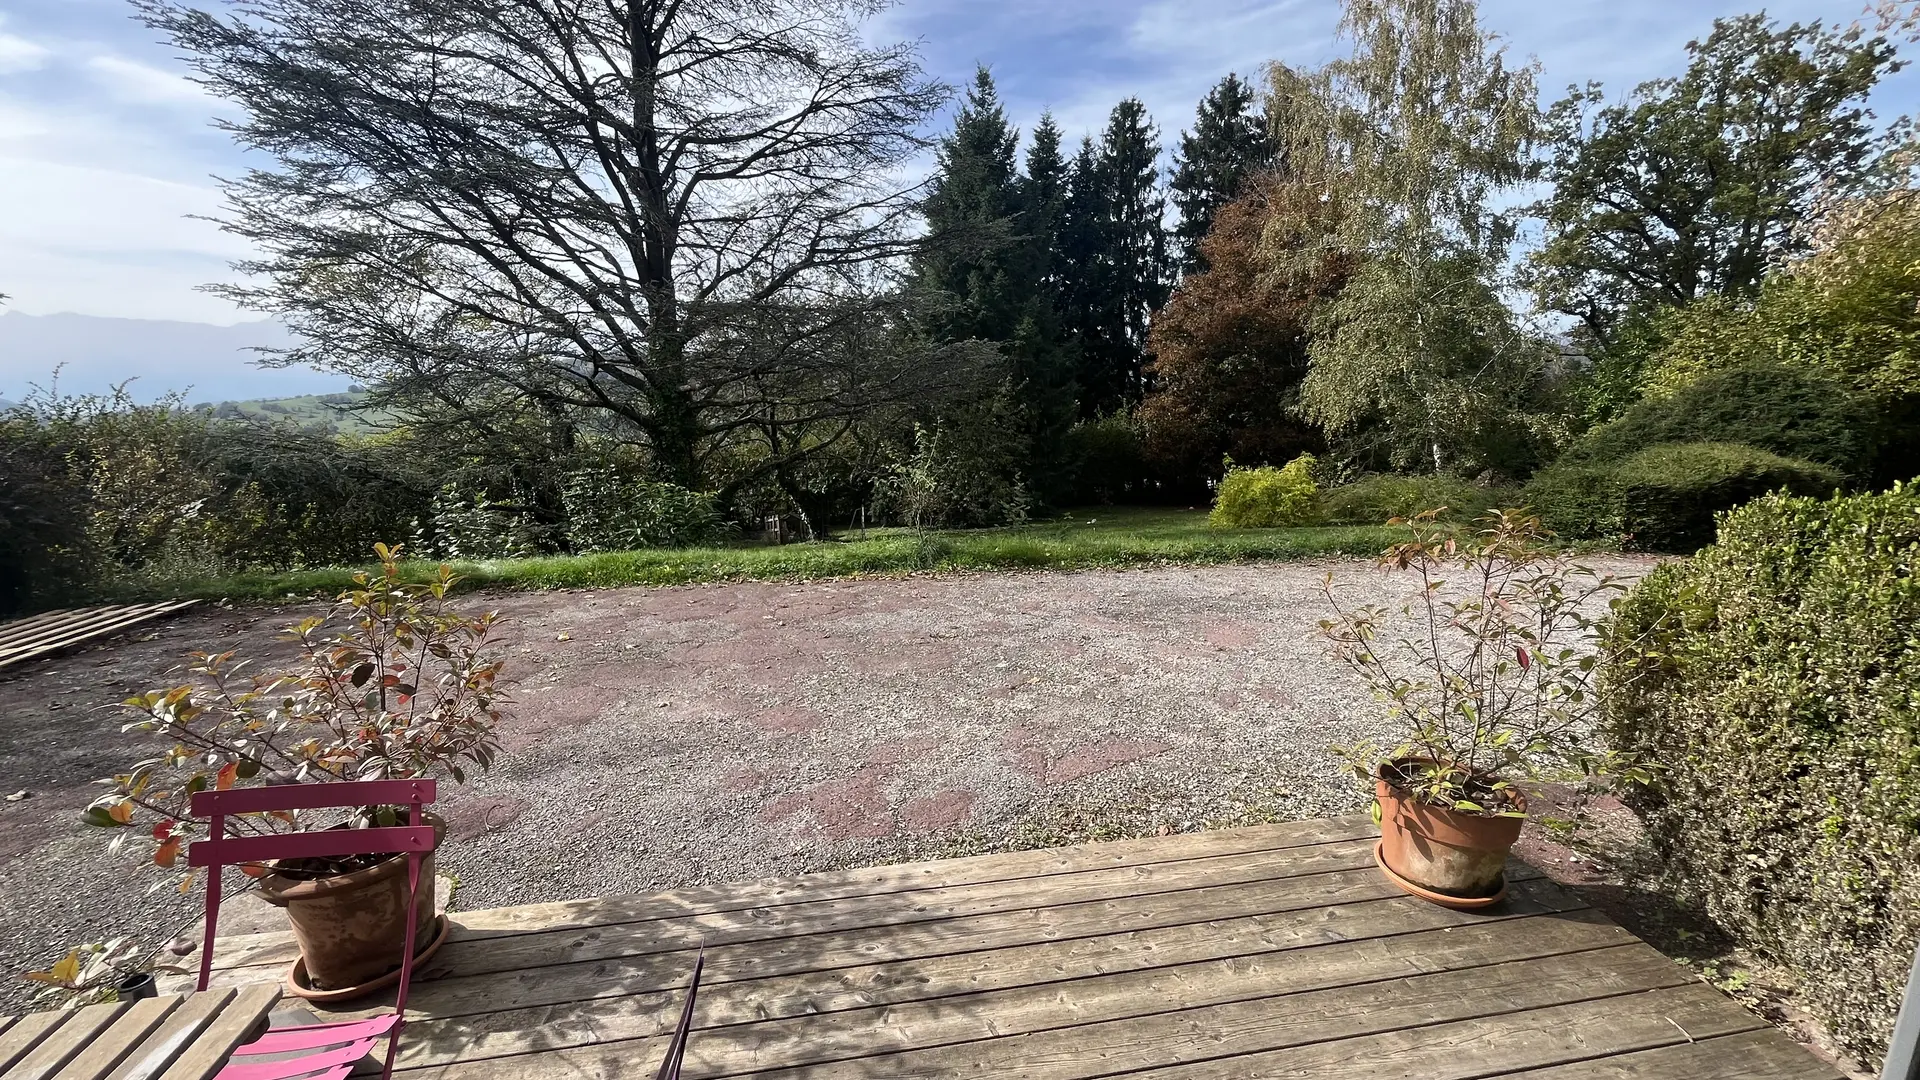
{"points": [[1101, 537]]}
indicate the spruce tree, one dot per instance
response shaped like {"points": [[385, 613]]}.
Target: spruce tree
{"points": [[1228, 143], [1131, 255], [970, 211]]}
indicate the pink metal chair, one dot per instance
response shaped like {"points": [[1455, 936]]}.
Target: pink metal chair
{"points": [[325, 1051]]}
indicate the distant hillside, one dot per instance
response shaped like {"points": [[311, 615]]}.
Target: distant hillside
{"points": [[206, 362], [340, 413]]}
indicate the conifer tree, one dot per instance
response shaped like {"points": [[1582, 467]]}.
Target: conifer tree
{"points": [[1116, 245], [1228, 143], [970, 211]]}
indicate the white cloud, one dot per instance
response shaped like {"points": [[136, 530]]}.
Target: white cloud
{"points": [[108, 242], [134, 82], [18, 54]]}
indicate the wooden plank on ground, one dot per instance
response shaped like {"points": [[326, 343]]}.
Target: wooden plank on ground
{"points": [[84, 628], [853, 970], [1754, 1055], [99, 1058], [843, 885], [236, 1024], [20, 1039], [81, 1027], [172, 1036], [1467, 1049], [769, 1019], [18, 637]]}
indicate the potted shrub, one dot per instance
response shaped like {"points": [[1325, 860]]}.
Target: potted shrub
{"points": [[1490, 676], [392, 684], [98, 972]]}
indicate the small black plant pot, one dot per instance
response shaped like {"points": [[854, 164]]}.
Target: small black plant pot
{"points": [[137, 986]]}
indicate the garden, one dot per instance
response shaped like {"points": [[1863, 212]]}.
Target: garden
{"points": [[1018, 510]]}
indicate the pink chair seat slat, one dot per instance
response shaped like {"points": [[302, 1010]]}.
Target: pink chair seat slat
{"points": [[310, 845], [300, 1066], [314, 1036]]}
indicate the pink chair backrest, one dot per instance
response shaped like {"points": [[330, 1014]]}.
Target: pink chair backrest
{"points": [[412, 840]]}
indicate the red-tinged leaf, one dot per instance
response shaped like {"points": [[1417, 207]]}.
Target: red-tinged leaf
{"points": [[163, 830], [225, 777], [167, 854], [253, 870], [1520, 651]]}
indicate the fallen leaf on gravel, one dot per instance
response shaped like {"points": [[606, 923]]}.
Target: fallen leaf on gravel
{"points": [[563, 636], [17, 796]]}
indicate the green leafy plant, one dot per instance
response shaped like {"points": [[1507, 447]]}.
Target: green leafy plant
{"points": [[393, 684], [1664, 497], [94, 973], [1491, 678], [1776, 672], [1382, 497], [1266, 497], [608, 511]]}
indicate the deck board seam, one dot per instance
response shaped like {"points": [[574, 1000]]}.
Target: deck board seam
{"points": [[790, 936], [722, 981], [485, 935], [1143, 1016]]}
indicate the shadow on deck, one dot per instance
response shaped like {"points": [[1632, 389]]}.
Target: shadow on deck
{"points": [[1275, 951]]}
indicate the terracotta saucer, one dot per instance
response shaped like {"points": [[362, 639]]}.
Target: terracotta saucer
{"points": [[299, 987]]}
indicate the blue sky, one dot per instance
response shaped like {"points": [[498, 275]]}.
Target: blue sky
{"points": [[105, 150]]}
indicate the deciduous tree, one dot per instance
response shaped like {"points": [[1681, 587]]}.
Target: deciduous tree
{"points": [[572, 202]]}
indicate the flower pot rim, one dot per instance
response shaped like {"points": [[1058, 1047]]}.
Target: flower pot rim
{"points": [[1518, 797], [278, 889]]}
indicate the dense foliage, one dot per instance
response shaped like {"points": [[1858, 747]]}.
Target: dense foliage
{"points": [[1266, 497], [1793, 412], [1664, 498], [1774, 675], [1374, 500]]}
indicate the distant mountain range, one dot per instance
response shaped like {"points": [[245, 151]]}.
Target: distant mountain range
{"points": [[207, 362]]}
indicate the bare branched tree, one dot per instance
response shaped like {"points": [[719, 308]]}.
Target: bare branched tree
{"points": [[662, 215]]}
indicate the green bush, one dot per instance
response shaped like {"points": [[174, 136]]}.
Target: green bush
{"points": [[1776, 676], [1793, 412], [1266, 497], [610, 512], [1664, 498], [1372, 500], [1108, 456]]}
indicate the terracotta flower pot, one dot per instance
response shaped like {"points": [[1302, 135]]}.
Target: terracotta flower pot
{"points": [[1447, 856], [351, 927]]}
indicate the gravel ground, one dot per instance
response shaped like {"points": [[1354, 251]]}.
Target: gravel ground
{"points": [[711, 733]]}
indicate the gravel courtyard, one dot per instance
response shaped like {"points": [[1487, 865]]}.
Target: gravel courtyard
{"points": [[711, 733]]}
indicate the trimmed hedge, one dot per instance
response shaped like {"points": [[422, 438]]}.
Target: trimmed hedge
{"points": [[1664, 498], [1776, 676], [1372, 500], [1266, 497], [1793, 412]]}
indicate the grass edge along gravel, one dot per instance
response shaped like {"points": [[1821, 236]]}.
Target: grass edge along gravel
{"points": [[1105, 540]]}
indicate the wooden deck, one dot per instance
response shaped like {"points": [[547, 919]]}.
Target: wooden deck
{"points": [[1275, 951]]}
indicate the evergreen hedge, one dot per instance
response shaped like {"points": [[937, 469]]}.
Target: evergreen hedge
{"points": [[1776, 677], [1664, 498], [1792, 412]]}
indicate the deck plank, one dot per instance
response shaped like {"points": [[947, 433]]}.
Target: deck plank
{"points": [[992, 953], [109, 1049], [872, 889], [954, 1011], [25, 1034], [171, 1037], [236, 1023], [1466, 1049], [62, 1045], [1752, 1055]]}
